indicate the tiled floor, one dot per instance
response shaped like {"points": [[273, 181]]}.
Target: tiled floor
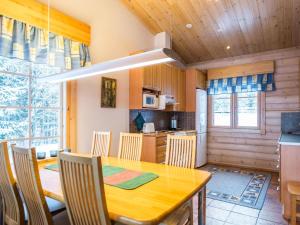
{"points": [[223, 213]]}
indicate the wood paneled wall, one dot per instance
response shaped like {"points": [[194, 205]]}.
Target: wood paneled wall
{"points": [[259, 150]]}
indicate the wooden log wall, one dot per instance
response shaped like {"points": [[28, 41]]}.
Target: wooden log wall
{"points": [[259, 150]]}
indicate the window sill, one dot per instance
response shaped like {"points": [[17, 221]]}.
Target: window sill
{"points": [[43, 162], [236, 130]]}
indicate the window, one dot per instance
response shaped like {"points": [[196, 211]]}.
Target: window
{"points": [[30, 112], [221, 110], [247, 109], [239, 110]]}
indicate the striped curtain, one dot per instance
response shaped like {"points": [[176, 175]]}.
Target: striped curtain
{"points": [[250, 83], [26, 42]]}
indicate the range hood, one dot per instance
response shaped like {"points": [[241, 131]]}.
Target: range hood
{"points": [[157, 56]]}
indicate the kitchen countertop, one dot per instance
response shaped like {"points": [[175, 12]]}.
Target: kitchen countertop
{"points": [[166, 132], [289, 139]]}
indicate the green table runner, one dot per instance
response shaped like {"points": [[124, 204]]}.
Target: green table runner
{"points": [[120, 177]]}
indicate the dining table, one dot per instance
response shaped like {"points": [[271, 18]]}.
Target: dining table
{"points": [[148, 204]]}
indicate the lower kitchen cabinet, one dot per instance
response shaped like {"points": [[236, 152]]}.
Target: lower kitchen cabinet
{"points": [[289, 171], [154, 148]]}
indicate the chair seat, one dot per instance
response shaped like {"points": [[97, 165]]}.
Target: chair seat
{"points": [[294, 188], [61, 219], [55, 207], [180, 216]]}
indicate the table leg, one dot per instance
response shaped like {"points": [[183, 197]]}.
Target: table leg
{"points": [[202, 206]]}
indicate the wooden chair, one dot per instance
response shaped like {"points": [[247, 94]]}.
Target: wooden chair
{"points": [[101, 143], [83, 188], [130, 146], [28, 179], [13, 211], [181, 152], [294, 191]]}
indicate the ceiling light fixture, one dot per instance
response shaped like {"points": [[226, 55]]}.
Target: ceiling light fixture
{"points": [[148, 58], [189, 25], [228, 47]]}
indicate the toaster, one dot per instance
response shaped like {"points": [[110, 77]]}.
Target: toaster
{"points": [[148, 128]]}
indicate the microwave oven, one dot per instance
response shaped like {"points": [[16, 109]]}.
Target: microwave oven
{"points": [[150, 101]]}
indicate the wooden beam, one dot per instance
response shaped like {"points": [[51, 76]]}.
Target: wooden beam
{"points": [[35, 13], [249, 58], [241, 70]]}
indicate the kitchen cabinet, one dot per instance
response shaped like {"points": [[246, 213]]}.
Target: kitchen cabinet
{"points": [[289, 171], [194, 79], [167, 79], [154, 148]]}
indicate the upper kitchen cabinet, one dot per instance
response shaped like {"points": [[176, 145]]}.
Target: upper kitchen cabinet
{"points": [[194, 79], [163, 78]]}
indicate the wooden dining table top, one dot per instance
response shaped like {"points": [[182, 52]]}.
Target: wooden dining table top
{"points": [[147, 204]]}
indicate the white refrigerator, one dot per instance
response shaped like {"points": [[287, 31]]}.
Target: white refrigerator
{"points": [[201, 127]]}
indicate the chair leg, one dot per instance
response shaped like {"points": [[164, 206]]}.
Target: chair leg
{"points": [[2, 216], [191, 219], [293, 210]]}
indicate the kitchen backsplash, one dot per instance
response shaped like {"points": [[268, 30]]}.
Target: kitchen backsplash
{"points": [[186, 120], [162, 119]]}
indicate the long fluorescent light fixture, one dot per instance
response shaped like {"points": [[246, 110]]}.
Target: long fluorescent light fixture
{"points": [[148, 58]]}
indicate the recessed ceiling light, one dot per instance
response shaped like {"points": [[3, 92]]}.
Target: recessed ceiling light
{"points": [[228, 47], [189, 25]]}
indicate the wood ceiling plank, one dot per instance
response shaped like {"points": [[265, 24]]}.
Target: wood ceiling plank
{"points": [[287, 39], [296, 23], [202, 28], [161, 12], [221, 12], [189, 34], [266, 24], [249, 20], [134, 7], [248, 26], [209, 31]]}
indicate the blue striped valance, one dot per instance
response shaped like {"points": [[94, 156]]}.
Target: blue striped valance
{"points": [[24, 41], [250, 83]]}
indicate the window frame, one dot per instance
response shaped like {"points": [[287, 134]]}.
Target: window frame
{"points": [[30, 109], [261, 106]]}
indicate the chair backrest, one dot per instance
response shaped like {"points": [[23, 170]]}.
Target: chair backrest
{"points": [[101, 143], [130, 146], [12, 203], [83, 188], [29, 182], [181, 151]]}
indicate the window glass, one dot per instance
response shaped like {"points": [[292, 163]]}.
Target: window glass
{"points": [[14, 66], [45, 94], [45, 123], [221, 110], [13, 90], [247, 112], [14, 123], [30, 112]]}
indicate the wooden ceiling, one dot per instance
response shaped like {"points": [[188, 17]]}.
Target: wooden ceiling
{"points": [[247, 26]]}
